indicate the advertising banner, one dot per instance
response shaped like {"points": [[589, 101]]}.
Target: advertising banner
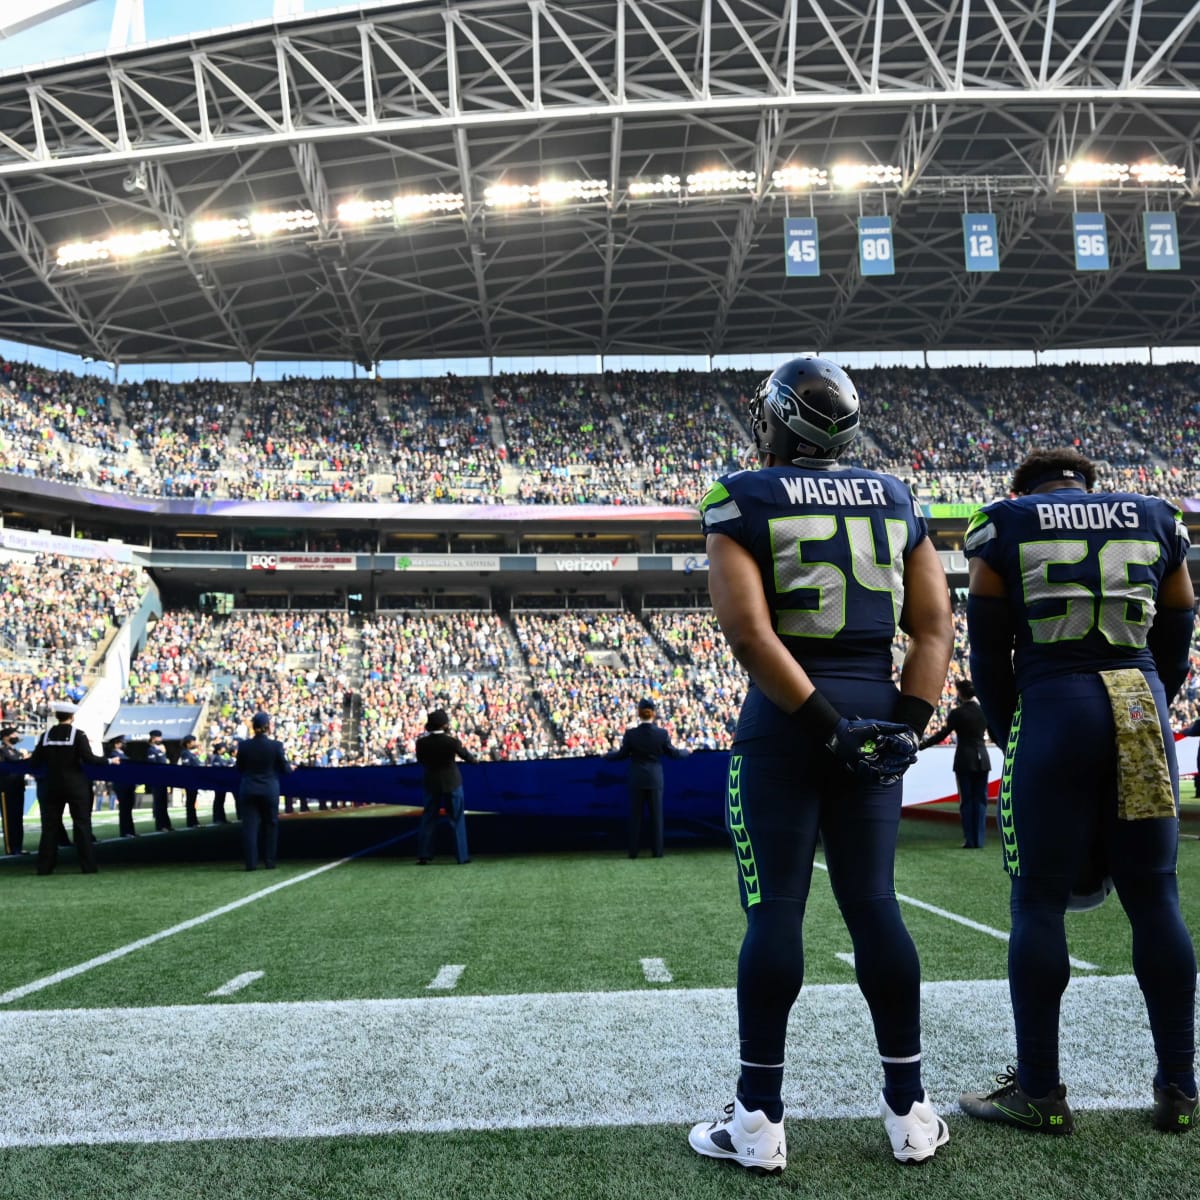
{"points": [[281, 561]]}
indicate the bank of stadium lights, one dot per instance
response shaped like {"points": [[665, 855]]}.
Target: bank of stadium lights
{"points": [[786, 179], [398, 208], [119, 246], [799, 179], [1089, 174], [545, 192], [865, 175], [257, 225]]}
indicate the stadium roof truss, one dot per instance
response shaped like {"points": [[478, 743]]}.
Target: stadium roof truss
{"points": [[976, 104]]}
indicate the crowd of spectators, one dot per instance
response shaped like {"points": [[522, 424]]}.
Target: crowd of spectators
{"points": [[61, 426], [681, 433], [56, 614], [632, 437], [441, 446], [560, 434]]}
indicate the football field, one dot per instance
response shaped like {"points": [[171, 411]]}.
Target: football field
{"points": [[538, 1025]]}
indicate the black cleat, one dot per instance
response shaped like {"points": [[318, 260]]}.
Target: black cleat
{"points": [[1009, 1105], [1174, 1111]]}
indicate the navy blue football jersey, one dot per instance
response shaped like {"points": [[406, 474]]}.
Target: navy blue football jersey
{"points": [[1083, 570], [830, 545]]}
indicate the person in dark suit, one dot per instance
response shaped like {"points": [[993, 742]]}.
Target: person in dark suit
{"points": [[971, 763], [437, 751], [220, 757], [125, 791], [58, 760], [12, 793], [160, 794], [645, 745], [189, 758], [263, 763]]}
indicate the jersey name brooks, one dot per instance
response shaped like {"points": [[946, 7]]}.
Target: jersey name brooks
{"points": [[1118, 515]]}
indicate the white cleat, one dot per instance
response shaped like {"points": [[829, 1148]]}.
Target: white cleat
{"points": [[746, 1137], [916, 1135]]}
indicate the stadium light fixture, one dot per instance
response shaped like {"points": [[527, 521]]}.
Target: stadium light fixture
{"points": [[721, 180], [799, 179], [545, 192], [855, 175], [398, 208], [256, 225], [119, 246], [423, 203], [1090, 174], [363, 212], [664, 185]]}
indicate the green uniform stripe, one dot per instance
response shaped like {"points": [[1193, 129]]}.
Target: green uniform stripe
{"points": [[737, 829], [1004, 814], [715, 495]]}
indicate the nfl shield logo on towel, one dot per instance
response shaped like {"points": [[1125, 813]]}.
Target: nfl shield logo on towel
{"points": [[1136, 712]]}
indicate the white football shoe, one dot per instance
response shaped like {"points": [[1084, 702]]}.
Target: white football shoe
{"points": [[916, 1135], [746, 1137]]}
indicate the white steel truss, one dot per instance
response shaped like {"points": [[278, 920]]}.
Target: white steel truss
{"points": [[508, 63]]}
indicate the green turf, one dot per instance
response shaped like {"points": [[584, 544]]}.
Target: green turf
{"points": [[1112, 1156], [533, 923], [566, 921]]}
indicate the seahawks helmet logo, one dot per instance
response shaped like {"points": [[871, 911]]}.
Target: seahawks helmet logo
{"points": [[811, 422]]}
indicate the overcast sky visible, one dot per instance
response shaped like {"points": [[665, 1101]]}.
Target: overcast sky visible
{"points": [[86, 30]]}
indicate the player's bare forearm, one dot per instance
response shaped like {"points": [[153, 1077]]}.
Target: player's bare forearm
{"points": [[735, 587], [927, 620]]}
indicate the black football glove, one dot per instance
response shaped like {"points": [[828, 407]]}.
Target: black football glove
{"points": [[873, 751]]}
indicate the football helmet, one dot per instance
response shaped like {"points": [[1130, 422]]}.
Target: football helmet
{"points": [[805, 412]]}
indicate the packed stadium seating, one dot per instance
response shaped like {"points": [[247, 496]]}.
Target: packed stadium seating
{"points": [[55, 616], [627, 437]]}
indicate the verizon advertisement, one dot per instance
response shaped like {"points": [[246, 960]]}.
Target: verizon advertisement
{"points": [[301, 562], [586, 564]]}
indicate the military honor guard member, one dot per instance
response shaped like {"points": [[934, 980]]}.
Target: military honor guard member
{"points": [[12, 793]]}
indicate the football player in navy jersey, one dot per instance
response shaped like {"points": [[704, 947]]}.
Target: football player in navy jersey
{"points": [[812, 568], [1080, 617]]}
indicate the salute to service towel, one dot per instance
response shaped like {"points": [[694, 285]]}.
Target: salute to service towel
{"points": [[1143, 781]]}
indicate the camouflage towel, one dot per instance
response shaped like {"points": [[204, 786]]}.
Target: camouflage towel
{"points": [[1143, 781]]}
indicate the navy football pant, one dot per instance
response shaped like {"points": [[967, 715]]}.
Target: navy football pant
{"points": [[784, 790], [1058, 800]]}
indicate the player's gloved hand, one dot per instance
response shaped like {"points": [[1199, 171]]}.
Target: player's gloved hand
{"points": [[873, 751]]}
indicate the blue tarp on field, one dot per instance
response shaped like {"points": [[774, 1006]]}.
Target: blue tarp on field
{"points": [[559, 787]]}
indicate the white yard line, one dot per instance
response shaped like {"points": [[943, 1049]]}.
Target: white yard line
{"points": [[645, 1056], [848, 959], [447, 978], [655, 971], [957, 918], [245, 979], [27, 989]]}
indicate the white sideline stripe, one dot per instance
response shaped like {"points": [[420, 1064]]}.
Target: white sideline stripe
{"points": [[655, 971], [245, 979], [446, 978], [847, 958], [27, 989], [567, 1060], [999, 934]]}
